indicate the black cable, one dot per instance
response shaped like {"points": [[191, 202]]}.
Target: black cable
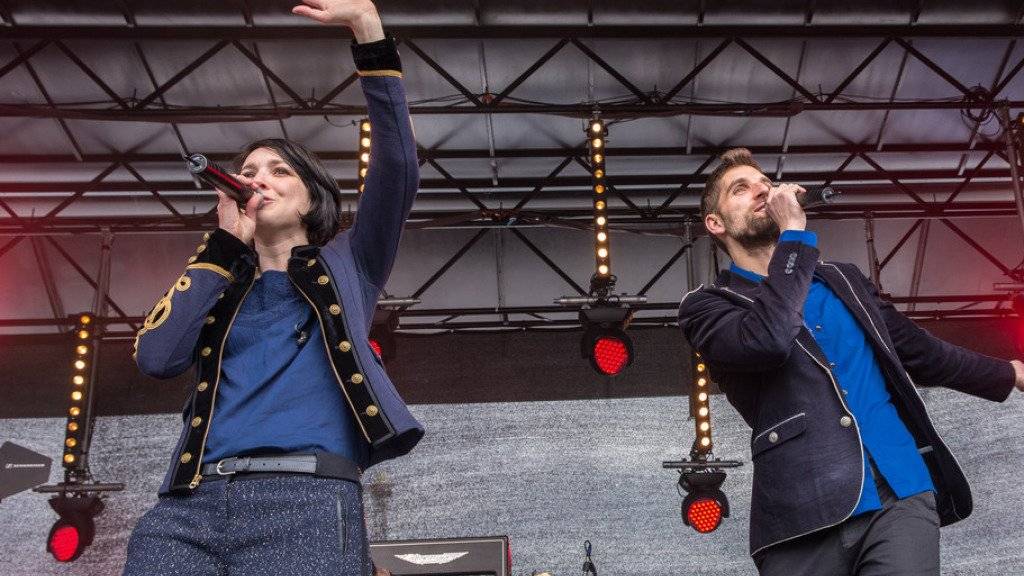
{"points": [[588, 563]]}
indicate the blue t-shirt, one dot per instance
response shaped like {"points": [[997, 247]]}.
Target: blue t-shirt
{"points": [[885, 437], [277, 390]]}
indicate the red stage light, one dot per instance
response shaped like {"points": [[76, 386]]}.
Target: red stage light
{"points": [[64, 542], [704, 514], [605, 342], [74, 530], [611, 355], [376, 347]]}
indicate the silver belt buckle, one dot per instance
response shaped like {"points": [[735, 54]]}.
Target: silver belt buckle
{"points": [[221, 472]]}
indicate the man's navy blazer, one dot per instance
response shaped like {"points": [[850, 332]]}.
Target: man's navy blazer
{"points": [[809, 473]]}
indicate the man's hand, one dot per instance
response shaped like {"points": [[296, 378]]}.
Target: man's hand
{"points": [[1018, 370], [783, 208], [359, 15]]}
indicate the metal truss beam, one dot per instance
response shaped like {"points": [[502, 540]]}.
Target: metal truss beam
{"points": [[23, 57], [778, 71], [448, 264], [182, 147], [856, 71], [620, 219], [214, 114], [529, 71], [484, 32], [696, 70], [546, 181], [566, 152], [450, 181], [253, 57], [684, 249], [977, 247], [644, 318], [899, 244], [544, 257], [91, 74], [684, 187], [853, 181], [132, 322], [444, 74], [49, 281], [969, 175], [934, 67], [181, 75], [646, 103], [50, 103], [9, 245], [611, 71]]}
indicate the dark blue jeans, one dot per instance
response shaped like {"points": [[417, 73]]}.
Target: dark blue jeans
{"points": [[253, 525]]}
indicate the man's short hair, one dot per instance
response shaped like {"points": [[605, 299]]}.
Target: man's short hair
{"points": [[713, 187]]}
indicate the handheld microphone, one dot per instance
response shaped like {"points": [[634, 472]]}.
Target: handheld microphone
{"points": [[814, 197], [214, 176]]}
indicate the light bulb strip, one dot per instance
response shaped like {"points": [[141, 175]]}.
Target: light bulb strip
{"points": [[364, 154], [700, 395], [597, 135], [78, 390]]}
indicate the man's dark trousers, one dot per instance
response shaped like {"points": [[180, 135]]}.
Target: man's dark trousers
{"points": [[902, 539]]}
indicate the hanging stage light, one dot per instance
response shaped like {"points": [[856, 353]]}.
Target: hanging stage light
{"points": [[77, 501], [74, 531], [603, 314], [364, 153], [605, 341], [701, 476], [705, 504]]}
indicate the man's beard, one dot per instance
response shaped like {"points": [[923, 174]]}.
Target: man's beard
{"points": [[759, 232]]}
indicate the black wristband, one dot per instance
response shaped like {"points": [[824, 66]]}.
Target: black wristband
{"points": [[379, 55]]}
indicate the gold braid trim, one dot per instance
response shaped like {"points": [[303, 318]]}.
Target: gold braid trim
{"points": [[157, 316], [212, 268], [184, 282], [393, 73]]}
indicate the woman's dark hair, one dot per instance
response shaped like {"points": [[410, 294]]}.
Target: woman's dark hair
{"points": [[324, 217]]}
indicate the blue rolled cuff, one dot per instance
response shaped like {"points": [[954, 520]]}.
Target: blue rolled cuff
{"points": [[803, 236]]}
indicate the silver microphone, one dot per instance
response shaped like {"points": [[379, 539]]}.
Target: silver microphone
{"points": [[817, 197]]}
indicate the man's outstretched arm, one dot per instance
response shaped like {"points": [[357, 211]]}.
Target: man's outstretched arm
{"points": [[935, 362]]}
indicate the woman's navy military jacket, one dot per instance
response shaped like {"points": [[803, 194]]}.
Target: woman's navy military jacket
{"points": [[341, 281]]}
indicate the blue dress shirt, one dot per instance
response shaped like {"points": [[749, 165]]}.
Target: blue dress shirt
{"points": [[277, 391]]}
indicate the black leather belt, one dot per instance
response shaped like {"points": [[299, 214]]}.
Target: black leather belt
{"points": [[323, 465]]}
